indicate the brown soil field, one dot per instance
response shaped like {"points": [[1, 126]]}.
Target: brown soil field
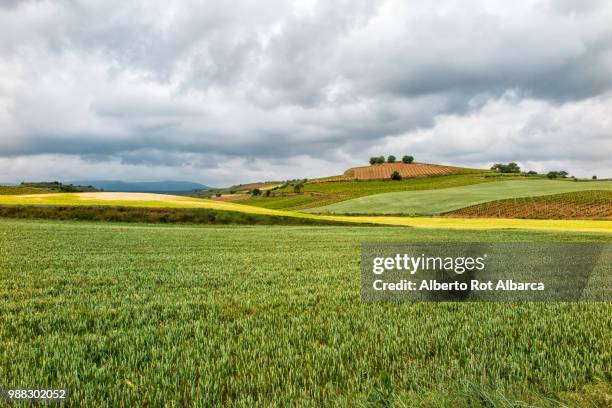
{"points": [[585, 205], [384, 170]]}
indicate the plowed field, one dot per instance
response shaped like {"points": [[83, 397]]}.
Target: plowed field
{"points": [[383, 171]]}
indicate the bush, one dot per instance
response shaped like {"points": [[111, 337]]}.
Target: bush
{"points": [[407, 159], [256, 192], [373, 160], [532, 173], [555, 174], [297, 188], [391, 159], [267, 193], [396, 176], [218, 195], [594, 177]]}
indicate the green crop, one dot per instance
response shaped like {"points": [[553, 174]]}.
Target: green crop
{"points": [[449, 199], [155, 315], [322, 192]]}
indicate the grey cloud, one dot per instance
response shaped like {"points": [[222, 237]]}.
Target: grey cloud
{"points": [[169, 85]]}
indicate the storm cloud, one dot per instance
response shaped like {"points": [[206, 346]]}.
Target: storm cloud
{"points": [[240, 91]]}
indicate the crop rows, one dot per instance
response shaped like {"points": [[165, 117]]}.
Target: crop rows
{"points": [[575, 205], [383, 171]]}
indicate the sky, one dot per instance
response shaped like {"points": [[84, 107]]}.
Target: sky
{"points": [[241, 91]]}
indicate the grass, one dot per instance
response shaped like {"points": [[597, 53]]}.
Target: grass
{"points": [[133, 315], [15, 190], [169, 201], [317, 193], [449, 199], [595, 204]]}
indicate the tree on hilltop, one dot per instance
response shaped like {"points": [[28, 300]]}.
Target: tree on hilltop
{"points": [[407, 159]]}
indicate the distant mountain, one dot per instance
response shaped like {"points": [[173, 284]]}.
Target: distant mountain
{"points": [[143, 186]]}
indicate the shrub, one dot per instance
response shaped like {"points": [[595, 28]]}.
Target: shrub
{"points": [[218, 195], [594, 177], [297, 188], [532, 173], [396, 176], [391, 159], [407, 159], [256, 192]]}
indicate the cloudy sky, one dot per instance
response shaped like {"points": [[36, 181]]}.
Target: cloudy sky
{"points": [[236, 91]]}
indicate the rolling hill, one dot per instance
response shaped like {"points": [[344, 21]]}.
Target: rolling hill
{"points": [[148, 200], [444, 200], [316, 193]]}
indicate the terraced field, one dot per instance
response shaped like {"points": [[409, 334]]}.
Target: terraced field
{"points": [[445, 200], [577, 205], [178, 316]]}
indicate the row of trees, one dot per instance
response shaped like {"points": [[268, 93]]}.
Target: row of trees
{"points": [[390, 159], [512, 167]]}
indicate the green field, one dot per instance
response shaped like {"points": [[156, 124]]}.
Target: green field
{"points": [[151, 315], [449, 199], [317, 193]]}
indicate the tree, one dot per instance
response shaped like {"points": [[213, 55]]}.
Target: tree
{"points": [[594, 177], [297, 188], [391, 159], [562, 173], [511, 167], [256, 192], [267, 193], [532, 173], [396, 176], [407, 159], [373, 160], [552, 175], [380, 160]]}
